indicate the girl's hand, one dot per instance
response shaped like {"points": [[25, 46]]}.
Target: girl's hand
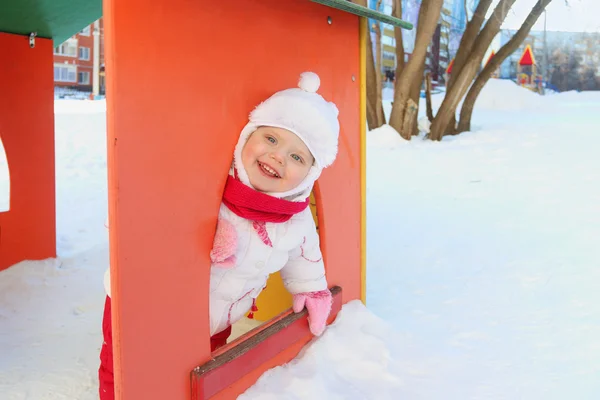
{"points": [[318, 305]]}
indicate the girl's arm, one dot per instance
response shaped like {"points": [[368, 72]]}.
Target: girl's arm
{"points": [[305, 271], [304, 277]]}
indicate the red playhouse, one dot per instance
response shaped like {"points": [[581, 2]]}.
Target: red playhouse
{"points": [[177, 72]]}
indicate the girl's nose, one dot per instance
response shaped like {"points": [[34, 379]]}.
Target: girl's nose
{"points": [[276, 156]]}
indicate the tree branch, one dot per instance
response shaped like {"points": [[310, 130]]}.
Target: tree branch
{"points": [[505, 51]]}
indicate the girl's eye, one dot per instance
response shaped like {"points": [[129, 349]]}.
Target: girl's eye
{"points": [[271, 139], [297, 158]]}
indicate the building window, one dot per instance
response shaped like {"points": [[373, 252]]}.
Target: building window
{"points": [[84, 53], [388, 40], [68, 49], [85, 31], [83, 78], [389, 56], [65, 73]]}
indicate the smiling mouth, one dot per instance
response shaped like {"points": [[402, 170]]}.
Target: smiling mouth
{"points": [[270, 172]]}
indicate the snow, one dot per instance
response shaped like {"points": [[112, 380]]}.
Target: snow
{"points": [[51, 311], [62, 107], [483, 278], [496, 95], [505, 95], [374, 362]]}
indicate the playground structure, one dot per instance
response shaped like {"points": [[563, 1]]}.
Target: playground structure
{"points": [[448, 70], [496, 73], [169, 149], [450, 66], [527, 75]]}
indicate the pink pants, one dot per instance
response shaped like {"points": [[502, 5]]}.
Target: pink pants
{"points": [[105, 372]]}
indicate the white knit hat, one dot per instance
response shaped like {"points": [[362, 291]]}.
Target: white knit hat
{"points": [[308, 115]]}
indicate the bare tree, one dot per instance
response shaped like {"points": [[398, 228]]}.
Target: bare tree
{"points": [[403, 116], [373, 110], [397, 12], [463, 79], [379, 85], [465, 48], [506, 50], [429, 107], [468, 38]]}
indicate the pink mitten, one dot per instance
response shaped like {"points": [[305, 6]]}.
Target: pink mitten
{"points": [[224, 245], [318, 305]]}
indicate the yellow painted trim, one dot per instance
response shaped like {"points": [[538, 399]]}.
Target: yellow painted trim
{"points": [[363, 32]]}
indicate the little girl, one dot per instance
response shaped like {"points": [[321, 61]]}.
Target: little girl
{"points": [[264, 223]]}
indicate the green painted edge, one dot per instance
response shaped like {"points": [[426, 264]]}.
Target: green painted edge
{"points": [[362, 11], [49, 19]]}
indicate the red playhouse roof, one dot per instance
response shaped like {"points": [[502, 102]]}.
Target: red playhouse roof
{"points": [[449, 68], [527, 57], [492, 54]]}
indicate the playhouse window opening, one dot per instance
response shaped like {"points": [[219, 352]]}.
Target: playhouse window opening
{"points": [[273, 300]]}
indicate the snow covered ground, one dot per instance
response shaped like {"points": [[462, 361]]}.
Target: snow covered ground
{"points": [[483, 267], [50, 312]]}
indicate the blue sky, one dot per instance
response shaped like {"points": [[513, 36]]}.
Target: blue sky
{"points": [[578, 16]]}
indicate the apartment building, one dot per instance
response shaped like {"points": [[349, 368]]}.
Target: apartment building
{"points": [[79, 61], [443, 47]]}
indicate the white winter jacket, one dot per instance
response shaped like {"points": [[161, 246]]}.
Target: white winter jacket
{"points": [[295, 252]]}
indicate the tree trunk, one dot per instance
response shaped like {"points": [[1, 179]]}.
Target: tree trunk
{"points": [[372, 120], [411, 115], [468, 39], [513, 44], [397, 12], [463, 79], [465, 47], [379, 85], [429, 13], [428, 97], [372, 112], [415, 94]]}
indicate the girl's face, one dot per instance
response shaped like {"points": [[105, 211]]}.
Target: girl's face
{"points": [[275, 159]]}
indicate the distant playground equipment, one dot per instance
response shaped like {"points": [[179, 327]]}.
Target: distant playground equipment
{"points": [[527, 75], [168, 153], [448, 71], [496, 73]]}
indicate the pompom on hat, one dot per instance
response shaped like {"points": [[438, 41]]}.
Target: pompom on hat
{"points": [[309, 116]]}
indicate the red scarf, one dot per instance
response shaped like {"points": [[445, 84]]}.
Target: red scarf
{"points": [[253, 205]]}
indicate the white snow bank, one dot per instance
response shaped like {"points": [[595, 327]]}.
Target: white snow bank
{"points": [[482, 259], [573, 98], [51, 323], [64, 106], [503, 94], [51, 311], [485, 247], [358, 357], [385, 137]]}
